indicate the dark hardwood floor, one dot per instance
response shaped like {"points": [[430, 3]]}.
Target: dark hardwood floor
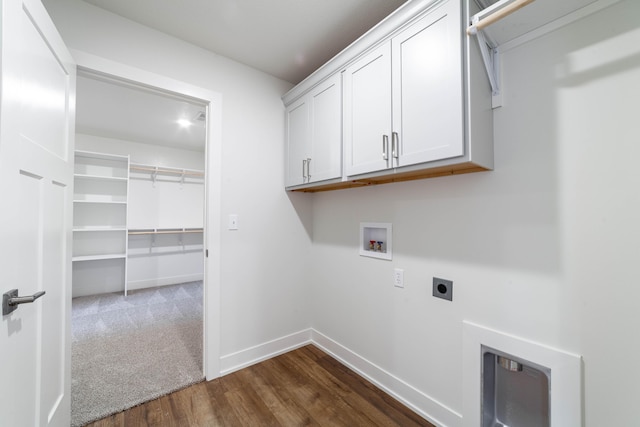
{"points": [[304, 387]]}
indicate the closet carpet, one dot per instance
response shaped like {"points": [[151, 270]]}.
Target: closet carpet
{"points": [[128, 350]]}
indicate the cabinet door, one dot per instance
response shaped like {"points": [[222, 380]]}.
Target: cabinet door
{"points": [[367, 112], [326, 130], [297, 115], [427, 88]]}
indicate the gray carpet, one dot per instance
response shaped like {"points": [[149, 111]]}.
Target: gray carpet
{"points": [[128, 350]]}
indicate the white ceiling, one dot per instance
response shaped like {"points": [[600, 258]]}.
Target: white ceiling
{"points": [[113, 109], [288, 39]]}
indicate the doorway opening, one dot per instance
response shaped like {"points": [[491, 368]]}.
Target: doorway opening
{"points": [[139, 244]]}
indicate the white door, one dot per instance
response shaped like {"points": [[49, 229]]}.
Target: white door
{"points": [[367, 112], [37, 96]]}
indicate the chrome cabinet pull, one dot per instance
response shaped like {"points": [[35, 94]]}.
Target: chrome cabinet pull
{"points": [[308, 169], [11, 300], [304, 169], [385, 147], [395, 145]]}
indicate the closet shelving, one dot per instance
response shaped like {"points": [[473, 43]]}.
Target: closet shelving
{"points": [[132, 219], [154, 171], [100, 200], [504, 24], [165, 224], [154, 231]]}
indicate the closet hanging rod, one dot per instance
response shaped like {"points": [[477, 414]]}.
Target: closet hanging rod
{"points": [[165, 170], [496, 16], [139, 232]]}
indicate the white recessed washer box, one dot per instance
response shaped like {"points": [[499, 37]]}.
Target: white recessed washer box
{"points": [[376, 240]]}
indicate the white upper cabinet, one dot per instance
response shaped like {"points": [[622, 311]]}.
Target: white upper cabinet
{"points": [[427, 89], [367, 112], [403, 100], [415, 103], [297, 142], [326, 131], [314, 135]]}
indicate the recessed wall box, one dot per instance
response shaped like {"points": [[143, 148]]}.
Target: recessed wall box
{"points": [[375, 240]]}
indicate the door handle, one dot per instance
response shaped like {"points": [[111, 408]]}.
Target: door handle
{"points": [[11, 300]]}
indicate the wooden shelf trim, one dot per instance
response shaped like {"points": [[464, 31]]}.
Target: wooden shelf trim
{"points": [[154, 231], [165, 170], [394, 177]]}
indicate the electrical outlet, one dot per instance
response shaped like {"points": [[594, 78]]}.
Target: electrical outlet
{"points": [[398, 278], [443, 288]]}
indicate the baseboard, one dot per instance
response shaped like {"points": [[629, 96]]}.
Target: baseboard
{"points": [[250, 356], [419, 402], [163, 281], [424, 405]]}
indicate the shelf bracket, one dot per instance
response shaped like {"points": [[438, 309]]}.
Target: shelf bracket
{"points": [[491, 60], [488, 48]]}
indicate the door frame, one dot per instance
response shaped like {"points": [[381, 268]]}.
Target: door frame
{"points": [[213, 183]]}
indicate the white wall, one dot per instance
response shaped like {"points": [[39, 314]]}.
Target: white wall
{"points": [[545, 247], [156, 155], [265, 262]]}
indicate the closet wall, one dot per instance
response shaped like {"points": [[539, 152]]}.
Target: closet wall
{"points": [[159, 205]]}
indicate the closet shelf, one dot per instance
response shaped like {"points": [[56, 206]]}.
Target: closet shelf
{"points": [[102, 156], [98, 257], [100, 177], [92, 229], [153, 231], [105, 202], [165, 170], [498, 28]]}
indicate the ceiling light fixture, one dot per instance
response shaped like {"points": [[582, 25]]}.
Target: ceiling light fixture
{"points": [[184, 123]]}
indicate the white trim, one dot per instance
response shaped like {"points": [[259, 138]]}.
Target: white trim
{"points": [[422, 404], [566, 373], [261, 352], [213, 185]]}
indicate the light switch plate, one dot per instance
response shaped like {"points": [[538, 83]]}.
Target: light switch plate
{"points": [[233, 222]]}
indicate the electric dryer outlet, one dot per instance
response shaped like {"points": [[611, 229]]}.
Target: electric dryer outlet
{"points": [[443, 288]]}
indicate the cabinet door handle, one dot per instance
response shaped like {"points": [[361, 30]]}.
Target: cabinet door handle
{"points": [[395, 145], [308, 169], [385, 147], [304, 169]]}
